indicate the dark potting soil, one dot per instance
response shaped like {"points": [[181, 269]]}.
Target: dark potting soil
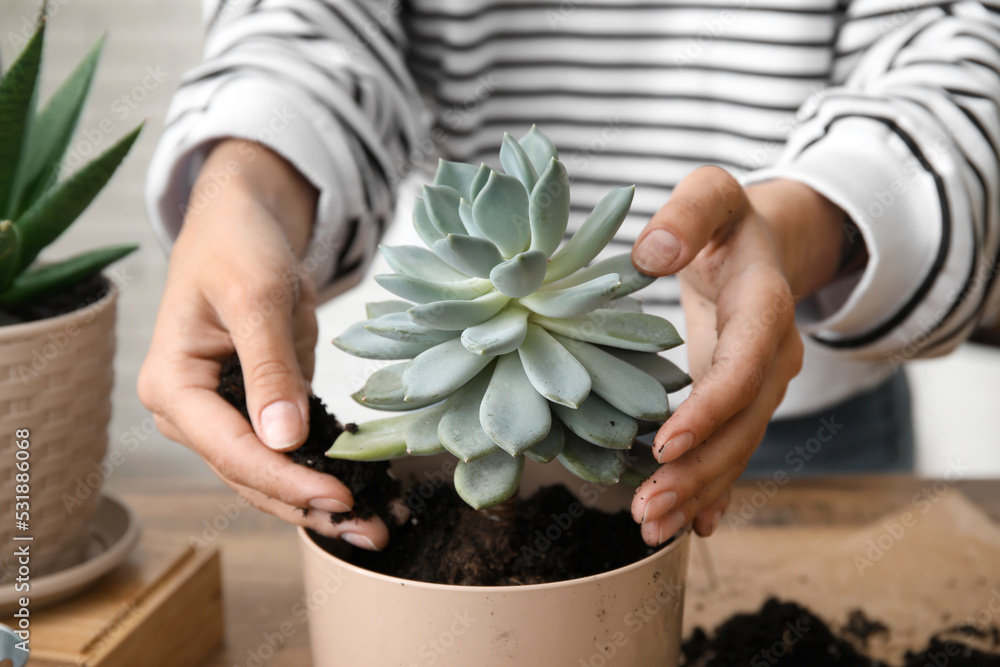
{"points": [[553, 538], [786, 634], [370, 483], [78, 296]]}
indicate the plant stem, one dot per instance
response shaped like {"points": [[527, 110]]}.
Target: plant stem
{"points": [[503, 514]]}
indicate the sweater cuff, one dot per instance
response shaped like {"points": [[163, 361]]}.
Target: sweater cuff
{"points": [[286, 122], [891, 199]]}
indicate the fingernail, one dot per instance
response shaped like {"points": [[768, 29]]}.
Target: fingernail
{"points": [[670, 525], [676, 446], [359, 541], [330, 505], [281, 423], [714, 522], [659, 505], [657, 251]]}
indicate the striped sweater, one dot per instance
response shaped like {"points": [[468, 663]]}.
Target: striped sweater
{"points": [[887, 107]]}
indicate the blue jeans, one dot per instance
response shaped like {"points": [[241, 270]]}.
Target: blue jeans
{"points": [[871, 432]]}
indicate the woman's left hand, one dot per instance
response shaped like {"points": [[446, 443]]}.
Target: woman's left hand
{"points": [[744, 255]]}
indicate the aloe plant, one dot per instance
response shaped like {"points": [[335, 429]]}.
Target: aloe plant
{"points": [[517, 345], [35, 206]]}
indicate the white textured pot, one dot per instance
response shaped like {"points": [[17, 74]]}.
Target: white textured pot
{"points": [[630, 616], [55, 384]]}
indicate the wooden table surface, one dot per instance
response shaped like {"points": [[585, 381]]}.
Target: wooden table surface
{"points": [[262, 575]]}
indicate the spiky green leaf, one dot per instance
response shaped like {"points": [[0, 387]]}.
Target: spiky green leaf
{"points": [[512, 413], [54, 127], [594, 234], [18, 94], [10, 246], [51, 279], [490, 480], [56, 210], [552, 370]]}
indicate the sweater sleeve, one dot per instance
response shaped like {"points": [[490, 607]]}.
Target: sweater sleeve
{"points": [[905, 141], [323, 83]]}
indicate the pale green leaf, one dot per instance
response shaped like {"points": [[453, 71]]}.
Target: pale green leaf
{"points": [[600, 423], [513, 414], [501, 213], [490, 480], [358, 341], [594, 234], [520, 275], [428, 291], [452, 315], [398, 326], [460, 430], [502, 333], [470, 254], [621, 384], [384, 390], [479, 181], [377, 309], [632, 331], [441, 203], [550, 445], [456, 175], [516, 162], [538, 147], [376, 440], [552, 370], [591, 463], [663, 370], [420, 262], [426, 230], [632, 279], [574, 301], [548, 208], [422, 436], [439, 371]]}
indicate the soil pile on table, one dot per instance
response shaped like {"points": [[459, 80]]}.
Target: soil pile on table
{"points": [[370, 483], [787, 634]]}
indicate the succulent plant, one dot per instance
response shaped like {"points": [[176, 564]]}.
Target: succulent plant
{"points": [[35, 206], [517, 347]]}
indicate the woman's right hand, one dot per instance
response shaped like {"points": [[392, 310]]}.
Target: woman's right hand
{"points": [[236, 284]]}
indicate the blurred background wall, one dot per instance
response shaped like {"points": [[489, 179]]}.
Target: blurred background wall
{"points": [[957, 398]]}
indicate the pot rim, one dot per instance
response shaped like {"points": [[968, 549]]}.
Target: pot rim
{"points": [[40, 326], [678, 539]]}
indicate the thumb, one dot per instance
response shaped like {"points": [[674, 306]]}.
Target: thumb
{"points": [[707, 202], [277, 398]]}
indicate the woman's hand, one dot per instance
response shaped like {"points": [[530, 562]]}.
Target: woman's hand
{"points": [[744, 256], [235, 284]]}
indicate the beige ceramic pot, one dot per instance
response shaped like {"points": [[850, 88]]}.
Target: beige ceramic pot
{"points": [[55, 389], [629, 616]]}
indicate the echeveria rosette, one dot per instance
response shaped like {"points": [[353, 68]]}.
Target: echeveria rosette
{"points": [[516, 347]]}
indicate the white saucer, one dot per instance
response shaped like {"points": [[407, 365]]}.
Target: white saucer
{"points": [[114, 532]]}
